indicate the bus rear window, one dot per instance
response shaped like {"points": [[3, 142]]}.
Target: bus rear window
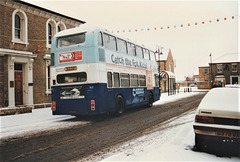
{"points": [[71, 40], [72, 78]]}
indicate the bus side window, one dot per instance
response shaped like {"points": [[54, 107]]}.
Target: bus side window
{"points": [[131, 49], [142, 80], [100, 39], [121, 46], [116, 80], [109, 79], [125, 80], [134, 80], [110, 42], [152, 56], [139, 51], [146, 54], [156, 80]]}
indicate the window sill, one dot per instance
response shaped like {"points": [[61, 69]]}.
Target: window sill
{"points": [[48, 46], [18, 41], [48, 92]]}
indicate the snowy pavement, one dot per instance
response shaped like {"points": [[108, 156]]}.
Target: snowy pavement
{"points": [[171, 142], [37, 121]]}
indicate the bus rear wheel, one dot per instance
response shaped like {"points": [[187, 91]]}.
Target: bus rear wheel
{"points": [[119, 105]]}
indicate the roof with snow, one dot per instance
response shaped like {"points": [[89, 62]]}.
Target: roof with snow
{"points": [[228, 58]]}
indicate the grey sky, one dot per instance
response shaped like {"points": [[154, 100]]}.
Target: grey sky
{"points": [[190, 45]]}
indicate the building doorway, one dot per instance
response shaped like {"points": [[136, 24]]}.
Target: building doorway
{"points": [[18, 78]]}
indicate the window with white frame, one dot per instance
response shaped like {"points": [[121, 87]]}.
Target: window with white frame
{"points": [[234, 67], [61, 26], [19, 27], [219, 68], [51, 30]]}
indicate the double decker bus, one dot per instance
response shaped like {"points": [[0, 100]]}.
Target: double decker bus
{"points": [[94, 71]]}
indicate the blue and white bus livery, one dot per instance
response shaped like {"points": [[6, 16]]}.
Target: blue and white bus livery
{"points": [[94, 71]]}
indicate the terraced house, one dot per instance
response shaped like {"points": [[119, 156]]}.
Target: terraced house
{"points": [[26, 31], [222, 71]]}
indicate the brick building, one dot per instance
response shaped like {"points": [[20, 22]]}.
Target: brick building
{"points": [[204, 77], [167, 72], [226, 69], [223, 70], [26, 31]]}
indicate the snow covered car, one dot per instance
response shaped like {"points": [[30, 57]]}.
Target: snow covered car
{"points": [[217, 120]]}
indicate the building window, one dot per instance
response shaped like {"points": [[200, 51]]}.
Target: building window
{"points": [[61, 26], [170, 67], [50, 32], [219, 68], [19, 27], [234, 67], [205, 71]]}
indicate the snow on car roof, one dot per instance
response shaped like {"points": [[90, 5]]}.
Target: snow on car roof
{"points": [[222, 99]]}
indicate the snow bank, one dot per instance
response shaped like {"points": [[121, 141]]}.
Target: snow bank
{"points": [[38, 120]]}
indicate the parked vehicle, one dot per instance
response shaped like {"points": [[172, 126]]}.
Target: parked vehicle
{"points": [[217, 120]]}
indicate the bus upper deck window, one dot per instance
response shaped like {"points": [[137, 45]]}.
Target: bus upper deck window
{"points": [[139, 51], [146, 54], [131, 49], [71, 40], [109, 42], [122, 46], [152, 56]]}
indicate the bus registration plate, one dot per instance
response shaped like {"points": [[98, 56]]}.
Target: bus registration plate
{"points": [[229, 134]]}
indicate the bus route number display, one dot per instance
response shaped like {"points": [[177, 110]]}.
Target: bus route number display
{"points": [[70, 56]]}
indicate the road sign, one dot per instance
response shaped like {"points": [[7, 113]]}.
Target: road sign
{"points": [[187, 79]]}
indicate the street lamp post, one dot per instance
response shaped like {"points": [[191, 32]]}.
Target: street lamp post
{"points": [[159, 52], [211, 81]]}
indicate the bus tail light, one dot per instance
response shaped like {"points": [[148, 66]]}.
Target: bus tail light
{"points": [[92, 105], [54, 106]]}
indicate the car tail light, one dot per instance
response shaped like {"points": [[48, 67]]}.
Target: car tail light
{"points": [[204, 119], [53, 106], [92, 105]]}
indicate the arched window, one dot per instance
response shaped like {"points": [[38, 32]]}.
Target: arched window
{"points": [[50, 32], [19, 27], [60, 26]]}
